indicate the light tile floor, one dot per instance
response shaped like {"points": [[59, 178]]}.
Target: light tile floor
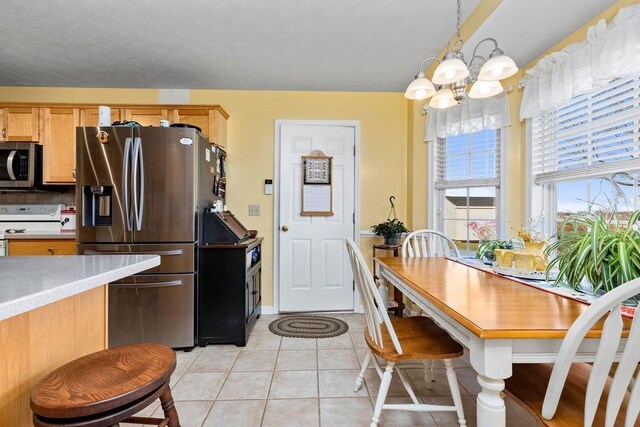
{"points": [[276, 381]]}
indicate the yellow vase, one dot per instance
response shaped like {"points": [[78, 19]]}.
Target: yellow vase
{"points": [[537, 249]]}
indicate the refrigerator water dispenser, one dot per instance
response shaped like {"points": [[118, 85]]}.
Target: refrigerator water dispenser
{"points": [[96, 205]]}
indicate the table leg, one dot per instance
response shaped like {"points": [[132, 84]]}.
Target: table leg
{"points": [[397, 297], [490, 403]]}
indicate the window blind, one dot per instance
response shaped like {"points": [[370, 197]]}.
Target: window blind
{"points": [[595, 134], [468, 160]]}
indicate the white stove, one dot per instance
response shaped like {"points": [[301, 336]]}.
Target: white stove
{"points": [[26, 219]]}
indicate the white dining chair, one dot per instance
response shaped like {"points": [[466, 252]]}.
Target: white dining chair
{"points": [[423, 244], [429, 243], [568, 393], [395, 340]]}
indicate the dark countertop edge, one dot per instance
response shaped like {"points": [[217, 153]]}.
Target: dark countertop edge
{"points": [[247, 244]]}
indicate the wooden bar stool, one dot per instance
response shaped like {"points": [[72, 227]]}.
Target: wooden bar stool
{"points": [[107, 387]]}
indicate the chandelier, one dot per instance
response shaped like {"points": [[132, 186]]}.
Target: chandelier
{"points": [[453, 74]]}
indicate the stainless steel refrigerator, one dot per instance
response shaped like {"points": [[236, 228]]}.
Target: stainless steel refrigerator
{"points": [[141, 190]]}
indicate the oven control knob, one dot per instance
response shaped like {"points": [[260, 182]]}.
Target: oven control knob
{"points": [[3, 210], [43, 210]]}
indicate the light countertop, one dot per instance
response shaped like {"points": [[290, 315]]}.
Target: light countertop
{"points": [[29, 282], [44, 235]]}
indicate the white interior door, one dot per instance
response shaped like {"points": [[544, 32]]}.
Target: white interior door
{"points": [[314, 270]]}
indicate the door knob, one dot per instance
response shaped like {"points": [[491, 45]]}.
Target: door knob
{"points": [[285, 228]]}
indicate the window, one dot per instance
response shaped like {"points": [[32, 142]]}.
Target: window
{"points": [[467, 183], [586, 154]]}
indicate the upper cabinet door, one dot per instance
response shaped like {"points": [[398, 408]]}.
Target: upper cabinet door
{"points": [[200, 118], [89, 116], [58, 137], [212, 123], [146, 116], [20, 124], [219, 135]]}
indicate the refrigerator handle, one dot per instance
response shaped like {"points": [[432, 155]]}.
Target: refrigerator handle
{"points": [[161, 253], [125, 181], [168, 284], [135, 169], [141, 178]]}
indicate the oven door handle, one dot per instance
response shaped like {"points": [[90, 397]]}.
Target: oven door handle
{"points": [[168, 284], [10, 159], [162, 253]]}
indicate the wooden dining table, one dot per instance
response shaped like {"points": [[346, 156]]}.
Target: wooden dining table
{"points": [[500, 321]]}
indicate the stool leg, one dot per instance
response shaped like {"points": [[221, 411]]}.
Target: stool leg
{"points": [[169, 409]]}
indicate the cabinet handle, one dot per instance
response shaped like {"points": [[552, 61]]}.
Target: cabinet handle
{"points": [[73, 172], [50, 251], [4, 132]]}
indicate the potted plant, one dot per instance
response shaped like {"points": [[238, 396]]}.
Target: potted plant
{"points": [[391, 230], [598, 248], [485, 231], [486, 249]]}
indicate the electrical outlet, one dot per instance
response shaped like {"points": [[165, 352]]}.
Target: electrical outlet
{"points": [[254, 210]]}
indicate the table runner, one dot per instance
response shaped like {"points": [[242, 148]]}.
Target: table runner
{"points": [[547, 286]]}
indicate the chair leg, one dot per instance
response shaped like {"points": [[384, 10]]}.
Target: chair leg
{"points": [[168, 407], [455, 391], [382, 393], [428, 374], [365, 366]]}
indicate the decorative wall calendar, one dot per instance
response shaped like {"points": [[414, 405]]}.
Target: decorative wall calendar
{"points": [[316, 185]]}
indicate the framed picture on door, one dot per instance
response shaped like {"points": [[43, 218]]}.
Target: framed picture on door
{"points": [[317, 190]]}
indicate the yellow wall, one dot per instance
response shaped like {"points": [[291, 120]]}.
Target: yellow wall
{"points": [[251, 130], [393, 153]]}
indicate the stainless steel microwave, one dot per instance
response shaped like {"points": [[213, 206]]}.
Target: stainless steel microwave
{"points": [[20, 165]]}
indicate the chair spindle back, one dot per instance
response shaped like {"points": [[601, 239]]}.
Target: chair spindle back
{"points": [[609, 304], [374, 308], [428, 243]]}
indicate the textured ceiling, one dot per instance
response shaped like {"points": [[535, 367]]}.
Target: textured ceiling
{"points": [[344, 45], [527, 29], [352, 45]]}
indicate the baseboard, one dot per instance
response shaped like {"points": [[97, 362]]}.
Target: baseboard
{"points": [[267, 309]]}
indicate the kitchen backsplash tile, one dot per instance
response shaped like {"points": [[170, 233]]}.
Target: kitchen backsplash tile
{"points": [[67, 198]]}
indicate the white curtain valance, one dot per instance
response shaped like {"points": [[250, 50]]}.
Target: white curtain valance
{"points": [[609, 52], [471, 115]]}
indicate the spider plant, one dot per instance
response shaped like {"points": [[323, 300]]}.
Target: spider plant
{"points": [[604, 251]]}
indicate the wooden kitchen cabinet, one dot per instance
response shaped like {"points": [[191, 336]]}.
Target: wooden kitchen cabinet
{"points": [[19, 124], [42, 247], [211, 121], [58, 137], [89, 116], [146, 116]]}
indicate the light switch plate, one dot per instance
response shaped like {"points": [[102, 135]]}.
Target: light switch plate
{"points": [[254, 210]]}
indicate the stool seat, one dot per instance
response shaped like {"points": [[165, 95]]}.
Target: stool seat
{"points": [[103, 381]]}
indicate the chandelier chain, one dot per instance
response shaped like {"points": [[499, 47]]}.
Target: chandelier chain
{"points": [[458, 21]]}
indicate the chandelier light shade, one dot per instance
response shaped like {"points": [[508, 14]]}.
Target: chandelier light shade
{"points": [[484, 89], [420, 88], [497, 68], [443, 99], [450, 71]]}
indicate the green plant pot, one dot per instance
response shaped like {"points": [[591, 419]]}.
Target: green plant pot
{"points": [[394, 239]]}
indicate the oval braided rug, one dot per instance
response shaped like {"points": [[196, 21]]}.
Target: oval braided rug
{"points": [[306, 326]]}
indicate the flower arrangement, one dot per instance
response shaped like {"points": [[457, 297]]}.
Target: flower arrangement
{"points": [[533, 231], [484, 231]]}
